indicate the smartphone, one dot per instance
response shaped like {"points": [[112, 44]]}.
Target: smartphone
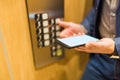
{"points": [[75, 41]]}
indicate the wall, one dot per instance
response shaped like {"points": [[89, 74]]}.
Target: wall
{"points": [[16, 59]]}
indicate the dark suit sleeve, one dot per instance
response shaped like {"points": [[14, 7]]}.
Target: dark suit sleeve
{"points": [[117, 45], [89, 21]]}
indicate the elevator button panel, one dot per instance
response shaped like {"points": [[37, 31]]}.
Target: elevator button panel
{"points": [[42, 17]]}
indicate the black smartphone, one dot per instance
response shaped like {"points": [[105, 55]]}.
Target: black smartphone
{"points": [[75, 41]]}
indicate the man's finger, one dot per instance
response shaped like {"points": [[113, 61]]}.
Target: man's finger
{"points": [[62, 23]]}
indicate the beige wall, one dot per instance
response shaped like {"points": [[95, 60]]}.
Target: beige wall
{"points": [[76, 10], [18, 63]]}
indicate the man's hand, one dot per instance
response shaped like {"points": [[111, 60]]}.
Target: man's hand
{"points": [[104, 46], [71, 29]]}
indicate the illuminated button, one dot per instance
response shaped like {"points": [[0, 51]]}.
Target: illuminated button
{"points": [[46, 30], [53, 40], [53, 53], [56, 20], [52, 21], [58, 47], [53, 48], [46, 36], [40, 45], [53, 35], [57, 33], [57, 27], [45, 16], [45, 23], [53, 28], [47, 42], [59, 52]]}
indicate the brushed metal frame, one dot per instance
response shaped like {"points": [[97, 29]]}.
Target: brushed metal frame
{"points": [[42, 56]]}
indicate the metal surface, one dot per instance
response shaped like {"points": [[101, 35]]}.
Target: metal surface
{"points": [[55, 8]]}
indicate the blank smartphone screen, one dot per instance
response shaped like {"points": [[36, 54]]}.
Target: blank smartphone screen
{"points": [[75, 41]]}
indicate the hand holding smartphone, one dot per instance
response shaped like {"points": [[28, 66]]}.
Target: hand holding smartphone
{"points": [[75, 41]]}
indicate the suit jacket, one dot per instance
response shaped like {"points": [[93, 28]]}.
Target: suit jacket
{"points": [[92, 21]]}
